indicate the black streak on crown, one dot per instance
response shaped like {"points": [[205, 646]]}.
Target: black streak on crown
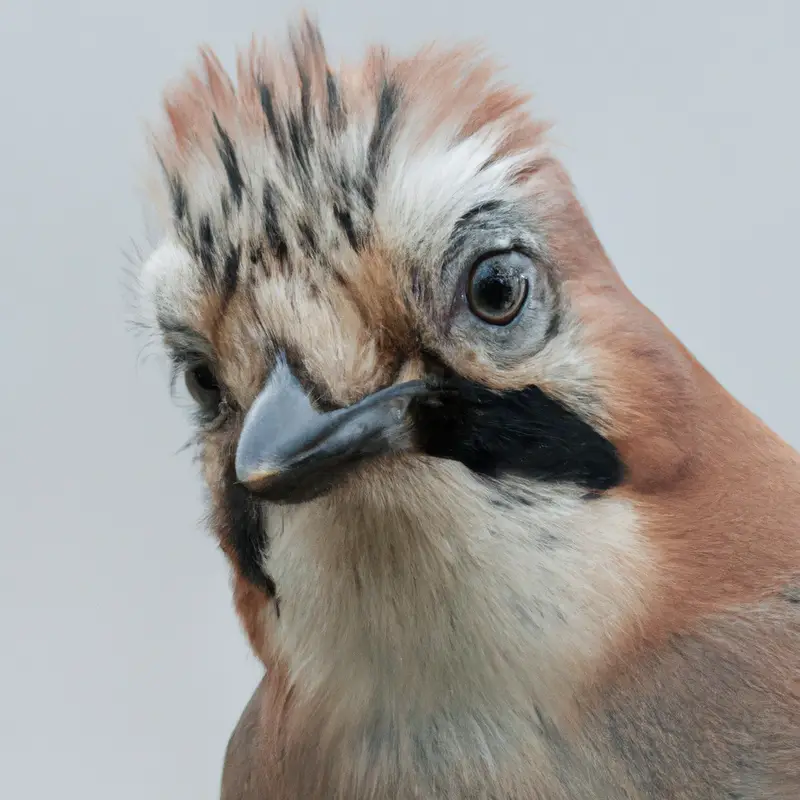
{"points": [[230, 272], [345, 221], [336, 113], [230, 163], [205, 245], [305, 83], [268, 107], [388, 103], [305, 104], [225, 206], [205, 250], [179, 201], [180, 204], [299, 145], [177, 191], [378, 148], [275, 238], [308, 239]]}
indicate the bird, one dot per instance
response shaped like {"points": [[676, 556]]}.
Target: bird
{"points": [[493, 530]]}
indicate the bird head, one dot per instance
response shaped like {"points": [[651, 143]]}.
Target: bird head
{"points": [[430, 413]]}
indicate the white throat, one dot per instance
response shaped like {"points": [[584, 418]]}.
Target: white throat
{"points": [[424, 587]]}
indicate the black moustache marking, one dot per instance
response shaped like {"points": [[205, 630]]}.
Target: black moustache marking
{"points": [[243, 526], [521, 432]]}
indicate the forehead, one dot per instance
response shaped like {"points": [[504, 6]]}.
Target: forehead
{"points": [[303, 190]]}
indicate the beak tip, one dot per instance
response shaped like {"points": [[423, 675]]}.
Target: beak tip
{"points": [[251, 475]]}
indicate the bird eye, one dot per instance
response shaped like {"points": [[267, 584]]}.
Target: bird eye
{"points": [[497, 287], [204, 387]]}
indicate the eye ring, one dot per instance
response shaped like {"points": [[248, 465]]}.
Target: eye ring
{"points": [[497, 287], [203, 386]]}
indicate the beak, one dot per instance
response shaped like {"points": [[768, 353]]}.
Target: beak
{"points": [[289, 452]]}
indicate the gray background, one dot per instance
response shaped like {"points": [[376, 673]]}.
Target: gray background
{"points": [[122, 670]]}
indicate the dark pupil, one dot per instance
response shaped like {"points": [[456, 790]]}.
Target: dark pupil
{"points": [[495, 291], [205, 379]]}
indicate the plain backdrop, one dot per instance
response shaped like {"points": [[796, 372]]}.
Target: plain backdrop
{"points": [[122, 669]]}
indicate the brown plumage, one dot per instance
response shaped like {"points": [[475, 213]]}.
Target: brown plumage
{"points": [[494, 532]]}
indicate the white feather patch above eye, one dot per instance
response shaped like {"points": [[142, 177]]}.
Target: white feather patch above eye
{"points": [[164, 279], [425, 190]]}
